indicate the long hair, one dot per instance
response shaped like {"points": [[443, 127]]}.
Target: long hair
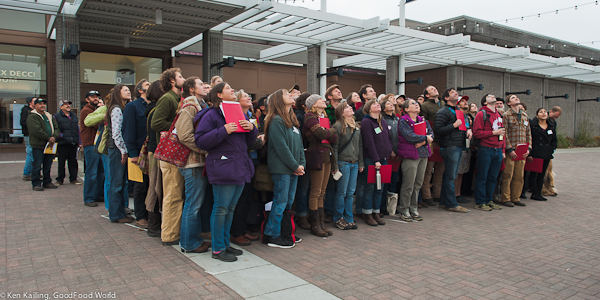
{"points": [[154, 91], [339, 115], [367, 109], [278, 108], [213, 97], [114, 100]]}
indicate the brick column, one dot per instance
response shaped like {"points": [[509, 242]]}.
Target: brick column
{"points": [[212, 52], [312, 69], [68, 81]]}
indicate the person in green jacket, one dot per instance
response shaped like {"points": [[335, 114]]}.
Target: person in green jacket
{"points": [[43, 130], [286, 162]]}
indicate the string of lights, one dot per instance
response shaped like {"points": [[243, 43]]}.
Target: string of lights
{"points": [[545, 13]]}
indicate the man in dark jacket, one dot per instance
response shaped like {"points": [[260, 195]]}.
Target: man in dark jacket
{"points": [[29, 159], [452, 142], [429, 109], [134, 134], [69, 142], [43, 131]]}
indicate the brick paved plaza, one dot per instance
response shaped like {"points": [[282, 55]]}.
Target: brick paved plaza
{"points": [[50, 242]]}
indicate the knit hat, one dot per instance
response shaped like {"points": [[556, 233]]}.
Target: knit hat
{"points": [[311, 100], [28, 99]]}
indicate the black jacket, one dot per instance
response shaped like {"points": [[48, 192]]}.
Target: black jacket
{"points": [[444, 130], [25, 110], [152, 142], [69, 128], [543, 141]]}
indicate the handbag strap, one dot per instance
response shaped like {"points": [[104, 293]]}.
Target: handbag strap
{"points": [[177, 117], [340, 150]]}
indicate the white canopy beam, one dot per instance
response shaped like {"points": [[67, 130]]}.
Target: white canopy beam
{"points": [[279, 51]]}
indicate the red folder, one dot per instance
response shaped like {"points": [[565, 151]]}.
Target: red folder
{"points": [[325, 124], [395, 162], [386, 174], [358, 105], [461, 116], [537, 165], [435, 155], [233, 113], [520, 151], [420, 128]]}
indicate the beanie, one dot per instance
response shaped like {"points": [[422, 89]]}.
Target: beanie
{"points": [[311, 100]]}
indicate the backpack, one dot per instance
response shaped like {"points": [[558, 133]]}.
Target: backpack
{"points": [[475, 141]]}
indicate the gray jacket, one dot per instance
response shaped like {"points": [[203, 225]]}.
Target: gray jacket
{"points": [[354, 150], [392, 122]]}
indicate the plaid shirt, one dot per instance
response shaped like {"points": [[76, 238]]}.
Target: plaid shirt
{"points": [[517, 132]]}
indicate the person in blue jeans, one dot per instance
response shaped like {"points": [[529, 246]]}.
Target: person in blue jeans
{"points": [[348, 151], [286, 162], [488, 128], [195, 183], [228, 166], [376, 149], [95, 164], [452, 140], [27, 169]]}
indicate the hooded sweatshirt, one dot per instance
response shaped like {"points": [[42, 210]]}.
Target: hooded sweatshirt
{"points": [[483, 131]]}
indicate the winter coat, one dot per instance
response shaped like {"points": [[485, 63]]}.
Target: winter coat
{"points": [[185, 131], [543, 141], [376, 146], [407, 138], [38, 137], [392, 121], [446, 134], [354, 150], [69, 128]]}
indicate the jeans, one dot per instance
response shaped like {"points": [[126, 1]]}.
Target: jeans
{"points": [[94, 176], [29, 158], [360, 190], [239, 225], [226, 197], [372, 196], [67, 153], [195, 186], [41, 163], [106, 177], [283, 197], [346, 186], [329, 200], [302, 191], [452, 157], [117, 195], [489, 162]]}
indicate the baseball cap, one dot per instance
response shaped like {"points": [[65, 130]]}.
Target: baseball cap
{"points": [[90, 93], [463, 98], [63, 102], [295, 87], [39, 100]]}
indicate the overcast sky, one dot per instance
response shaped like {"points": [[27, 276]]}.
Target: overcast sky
{"points": [[577, 26]]}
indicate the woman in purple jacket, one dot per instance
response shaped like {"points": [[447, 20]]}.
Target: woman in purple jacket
{"points": [[414, 148], [376, 149], [228, 166]]}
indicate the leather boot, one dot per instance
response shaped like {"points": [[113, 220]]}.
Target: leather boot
{"points": [[377, 219], [154, 222], [315, 225], [322, 221], [303, 223], [369, 220]]}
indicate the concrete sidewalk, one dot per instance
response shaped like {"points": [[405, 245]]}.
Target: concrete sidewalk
{"points": [[50, 242]]}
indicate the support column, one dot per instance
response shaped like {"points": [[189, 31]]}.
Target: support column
{"points": [[312, 69], [506, 87], [68, 78], [454, 77], [323, 69], [212, 52], [392, 64], [545, 89]]}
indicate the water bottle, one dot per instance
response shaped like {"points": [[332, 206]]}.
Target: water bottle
{"points": [[378, 180]]}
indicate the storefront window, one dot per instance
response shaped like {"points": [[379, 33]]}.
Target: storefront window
{"points": [[101, 68], [22, 75]]}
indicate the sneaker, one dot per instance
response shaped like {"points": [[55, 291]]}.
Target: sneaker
{"points": [[342, 224], [59, 182], [38, 188], [406, 217], [298, 239], [483, 207], [90, 204], [77, 181], [128, 210], [416, 216], [459, 209], [224, 256], [26, 177], [352, 225], [494, 205], [236, 252], [280, 243]]}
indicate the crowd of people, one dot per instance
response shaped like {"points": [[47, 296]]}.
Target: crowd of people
{"points": [[295, 160]]}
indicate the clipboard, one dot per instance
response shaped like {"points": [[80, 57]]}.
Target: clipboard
{"points": [[134, 172], [537, 165], [232, 111], [520, 150], [50, 149], [461, 116], [420, 128], [386, 174]]}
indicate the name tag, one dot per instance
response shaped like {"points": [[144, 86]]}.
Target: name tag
{"points": [[224, 157], [296, 130], [550, 131], [525, 123], [377, 130], [389, 127]]}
